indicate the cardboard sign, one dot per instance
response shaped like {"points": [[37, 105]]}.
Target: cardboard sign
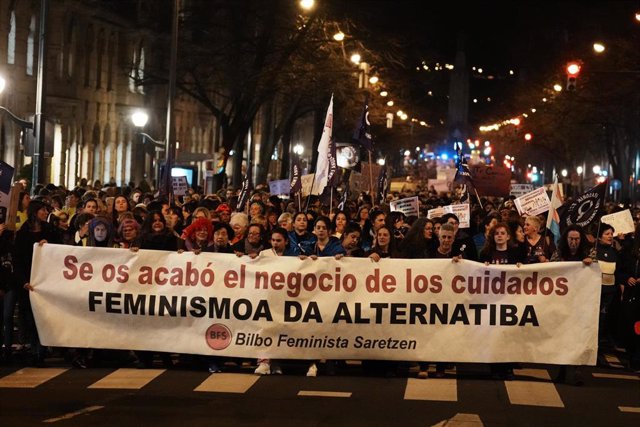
{"points": [[533, 203], [622, 222], [307, 182], [521, 189], [440, 185], [281, 186], [491, 180], [180, 185], [409, 206], [462, 211]]}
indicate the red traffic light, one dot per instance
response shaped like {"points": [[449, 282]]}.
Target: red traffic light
{"points": [[573, 69]]}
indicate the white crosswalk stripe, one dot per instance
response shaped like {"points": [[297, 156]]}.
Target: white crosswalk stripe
{"points": [[228, 383], [30, 377], [131, 379], [533, 393]]}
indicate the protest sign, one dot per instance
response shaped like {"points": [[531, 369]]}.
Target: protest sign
{"points": [[279, 187], [533, 203], [180, 185], [622, 222], [6, 177], [284, 307], [409, 206], [462, 211], [520, 189], [491, 180]]}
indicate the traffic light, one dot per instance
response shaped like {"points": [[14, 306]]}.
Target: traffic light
{"points": [[573, 69]]}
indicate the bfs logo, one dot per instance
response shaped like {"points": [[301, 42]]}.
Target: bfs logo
{"points": [[218, 336]]}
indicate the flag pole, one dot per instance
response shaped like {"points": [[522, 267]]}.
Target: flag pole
{"points": [[371, 178], [331, 202]]}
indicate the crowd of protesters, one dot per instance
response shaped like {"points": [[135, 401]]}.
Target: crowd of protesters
{"points": [[133, 218]]}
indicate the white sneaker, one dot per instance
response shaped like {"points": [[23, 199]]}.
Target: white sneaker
{"points": [[313, 370], [263, 369], [276, 370]]}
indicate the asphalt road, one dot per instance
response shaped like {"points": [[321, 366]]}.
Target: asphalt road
{"points": [[61, 395]]}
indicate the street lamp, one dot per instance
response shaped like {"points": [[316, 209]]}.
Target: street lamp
{"points": [[339, 36], [298, 149], [139, 118], [307, 4], [598, 47], [355, 58]]}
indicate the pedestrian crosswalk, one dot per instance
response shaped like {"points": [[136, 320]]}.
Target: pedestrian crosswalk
{"points": [[531, 387]]}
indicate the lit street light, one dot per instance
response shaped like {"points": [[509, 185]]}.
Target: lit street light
{"points": [[557, 87], [355, 58], [339, 36], [598, 47], [298, 149], [307, 4]]}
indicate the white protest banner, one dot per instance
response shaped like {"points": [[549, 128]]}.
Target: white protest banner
{"points": [[533, 203], [462, 211], [521, 189], [284, 307], [180, 185], [622, 222], [279, 187], [409, 206]]}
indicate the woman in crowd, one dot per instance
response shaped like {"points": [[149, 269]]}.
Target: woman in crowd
{"points": [[279, 242], [338, 224], [608, 258], [174, 220], [120, 205], [21, 215], [573, 246], [384, 246], [222, 236], [156, 235], [498, 250], [128, 234], [285, 220], [198, 236], [239, 222], [253, 244], [34, 230], [538, 248], [420, 241], [100, 234], [300, 236]]}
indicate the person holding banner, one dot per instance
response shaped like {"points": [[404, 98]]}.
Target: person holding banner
{"points": [[573, 246], [385, 245], [498, 250], [607, 257], [463, 243], [538, 248], [338, 224], [300, 234], [34, 230], [351, 241]]}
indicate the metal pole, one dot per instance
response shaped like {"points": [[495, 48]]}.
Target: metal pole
{"points": [[39, 121], [170, 139]]}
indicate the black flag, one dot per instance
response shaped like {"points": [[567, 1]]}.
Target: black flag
{"points": [[463, 175], [585, 209], [296, 174], [245, 191], [383, 182], [344, 198], [362, 134]]}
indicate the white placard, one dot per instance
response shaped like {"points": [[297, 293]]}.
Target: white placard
{"points": [[462, 211], [533, 203], [279, 187], [409, 206], [622, 222], [180, 185], [521, 189]]}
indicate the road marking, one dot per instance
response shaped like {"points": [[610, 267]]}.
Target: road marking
{"points": [[74, 414], [125, 378], [228, 383], [30, 377], [461, 420], [613, 361], [534, 393], [441, 389], [541, 374], [616, 376], [629, 409], [324, 393]]}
